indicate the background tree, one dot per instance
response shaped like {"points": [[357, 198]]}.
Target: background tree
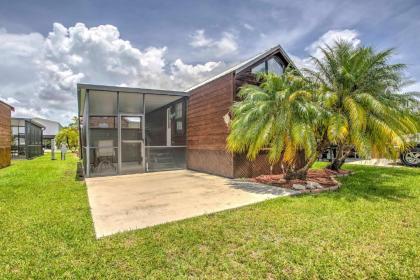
{"points": [[70, 136], [74, 123], [359, 89], [279, 115]]}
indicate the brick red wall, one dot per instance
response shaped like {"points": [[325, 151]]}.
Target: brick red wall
{"points": [[5, 135]]}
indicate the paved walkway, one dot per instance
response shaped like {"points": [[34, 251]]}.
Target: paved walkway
{"points": [[121, 203], [377, 162]]}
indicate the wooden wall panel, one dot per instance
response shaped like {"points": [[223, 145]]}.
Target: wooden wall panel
{"points": [[207, 130], [207, 107], [5, 135], [242, 167], [206, 127]]}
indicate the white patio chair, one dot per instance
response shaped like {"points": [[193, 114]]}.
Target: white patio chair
{"points": [[105, 153]]}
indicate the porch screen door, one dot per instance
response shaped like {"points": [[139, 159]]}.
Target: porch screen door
{"points": [[132, 144]]}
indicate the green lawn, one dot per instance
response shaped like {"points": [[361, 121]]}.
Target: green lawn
{"points": [[368, 229]]}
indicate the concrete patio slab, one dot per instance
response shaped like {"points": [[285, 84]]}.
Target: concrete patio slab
{"points": [[121, 203]]}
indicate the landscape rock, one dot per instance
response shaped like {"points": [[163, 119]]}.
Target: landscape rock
{"points": [[310, 186], [313, 185], [299, 187]]}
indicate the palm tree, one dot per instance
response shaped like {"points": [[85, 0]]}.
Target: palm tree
{"points": [[278, 115], [359, 90]]}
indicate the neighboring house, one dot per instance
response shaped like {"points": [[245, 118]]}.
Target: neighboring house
{"points": [[132, 130], [5, 137], [26, 138], [51, 130]]}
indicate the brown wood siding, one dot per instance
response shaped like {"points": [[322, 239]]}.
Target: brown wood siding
{"points": [[247, 77], [242, 167], [5, 135], [207, 131], [206, 128]]}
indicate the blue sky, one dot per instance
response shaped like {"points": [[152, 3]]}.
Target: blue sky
{"points": [[174, 44]]}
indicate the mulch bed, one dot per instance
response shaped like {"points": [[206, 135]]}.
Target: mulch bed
{"points": [[324, 177]]}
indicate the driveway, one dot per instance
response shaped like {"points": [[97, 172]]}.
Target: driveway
{"points": [[121, 203]]}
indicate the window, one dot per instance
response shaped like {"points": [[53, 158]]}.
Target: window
{"points": [[179, 120], [260, 68], [179, 127], [272, 65], [178, 110], [15, 130]]}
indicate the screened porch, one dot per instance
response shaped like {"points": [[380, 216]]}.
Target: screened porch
{"points": [[26, 138], [131, 130]]}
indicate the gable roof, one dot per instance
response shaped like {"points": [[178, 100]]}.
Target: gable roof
{"points": [[241, 66], [41, 120], [17, 121], [51, 127], [4, 103]]}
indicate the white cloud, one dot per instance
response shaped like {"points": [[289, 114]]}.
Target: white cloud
{"points": [[198, 39], [301, 63], [415, 87], [183, 73], [225, 45], [328, 38], [39, 74], [249, 26]]}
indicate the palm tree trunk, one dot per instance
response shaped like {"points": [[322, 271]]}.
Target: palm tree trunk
{"points": [[340, 159], [300, 160], [302, 172], [296, 170], [292, 174]]}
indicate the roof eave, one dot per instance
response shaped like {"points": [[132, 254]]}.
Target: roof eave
{"points": [[241, 66], [130, 89], [30, 121], [8, 105]]}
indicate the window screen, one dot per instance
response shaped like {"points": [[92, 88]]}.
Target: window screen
{"points": [[102, 103], [274, 66], [131, 103]]}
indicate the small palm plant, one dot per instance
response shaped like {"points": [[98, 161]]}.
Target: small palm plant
{"points": [[358, 88], [279, 115]]}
